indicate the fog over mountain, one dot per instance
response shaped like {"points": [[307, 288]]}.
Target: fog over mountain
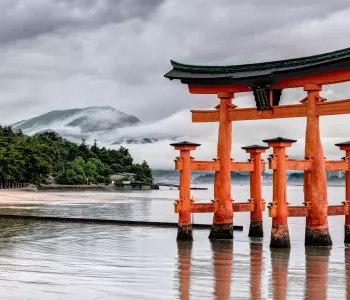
{"points": [[151, 140], [110, 127], [75, 124]]}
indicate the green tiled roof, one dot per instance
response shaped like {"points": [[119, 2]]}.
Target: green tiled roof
{"points": [[185, 143], [279, 139], [261, 66], [343, 144]]}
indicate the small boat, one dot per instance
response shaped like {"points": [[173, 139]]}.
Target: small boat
{"points": [[199, 188]]}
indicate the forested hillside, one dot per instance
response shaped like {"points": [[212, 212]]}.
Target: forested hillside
{"points": [[32, 159]]}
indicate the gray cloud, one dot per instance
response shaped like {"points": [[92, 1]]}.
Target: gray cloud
{"points": [[77, 53], [23, 19]]}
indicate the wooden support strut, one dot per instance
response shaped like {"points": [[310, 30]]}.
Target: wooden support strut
{"points": [[278, 209], [347, 197], [315, 185], [215, 166], [346, 148], [305, 165], [184, 224], [337, 107], [304, 211], [256, 219], [184, 227], [213, 207], [223, 217]]}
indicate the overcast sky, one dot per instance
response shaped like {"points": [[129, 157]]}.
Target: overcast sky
{"points": [[59, 54]]}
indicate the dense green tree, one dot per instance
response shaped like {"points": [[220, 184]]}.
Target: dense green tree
{"points": [[32, 159], [143, 172]]}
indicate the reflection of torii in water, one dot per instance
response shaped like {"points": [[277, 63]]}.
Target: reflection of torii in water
{"points": [[222, 261], [347, 269], [184, 250], [256, 269], [222, 257], [279, 262], [316, 272]]}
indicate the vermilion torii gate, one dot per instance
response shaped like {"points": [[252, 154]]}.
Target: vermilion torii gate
{"points": [[266, 81]]}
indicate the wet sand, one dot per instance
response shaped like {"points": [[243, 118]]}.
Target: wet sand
{"points": [[24, 197]]}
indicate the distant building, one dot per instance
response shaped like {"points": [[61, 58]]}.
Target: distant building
{"points": [[266, 177], [51, 178], [118, 176], [335, 174]]}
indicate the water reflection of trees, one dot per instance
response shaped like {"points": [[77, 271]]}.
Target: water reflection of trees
{"points": [[12, 231]]}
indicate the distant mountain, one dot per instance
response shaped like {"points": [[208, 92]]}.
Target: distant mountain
{"points": [[110, 127], [137, 141], [74, 124], [88, 119]]}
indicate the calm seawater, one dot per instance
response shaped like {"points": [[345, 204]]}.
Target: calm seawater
{"points": [[42, 260]]}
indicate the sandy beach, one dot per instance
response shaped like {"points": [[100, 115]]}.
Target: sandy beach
{"points": [[26, 197]]}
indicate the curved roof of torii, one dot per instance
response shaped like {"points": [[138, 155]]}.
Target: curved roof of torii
{"points": [[265, 73]]}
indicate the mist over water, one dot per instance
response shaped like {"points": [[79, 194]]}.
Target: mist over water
{"points": [[43, 260]]}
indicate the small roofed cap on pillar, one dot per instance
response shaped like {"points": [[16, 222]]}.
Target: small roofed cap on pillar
{"points": [[255, 147], [279, 139], [343, 144], [185, 143]]}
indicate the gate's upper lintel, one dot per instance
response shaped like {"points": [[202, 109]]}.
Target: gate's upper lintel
{"points": [[322, 69]]}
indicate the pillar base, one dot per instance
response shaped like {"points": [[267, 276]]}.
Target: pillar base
{"points": [[221, 231], [280, 238], [184, 233], [256, 229], [347, 234], [317, 237]]}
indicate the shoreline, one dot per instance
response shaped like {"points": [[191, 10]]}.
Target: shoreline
{"points": [[12, 197], [95, 188], [38, 196]]}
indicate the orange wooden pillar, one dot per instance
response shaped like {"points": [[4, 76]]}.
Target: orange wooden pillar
{"points": [[315, 184], [256, 219], [222, 227], [222, 259], [184, 232], [184, 250], [346, 148], [279, 209]]}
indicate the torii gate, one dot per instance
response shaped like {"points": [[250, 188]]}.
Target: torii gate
{"points": [[266, 81]]}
